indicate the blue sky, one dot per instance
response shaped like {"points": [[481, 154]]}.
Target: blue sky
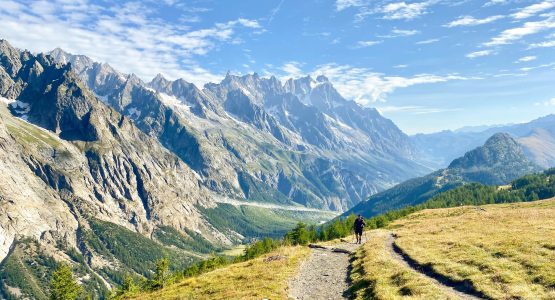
{"points": [[428, 64]]}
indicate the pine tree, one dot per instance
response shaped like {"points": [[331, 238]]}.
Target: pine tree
{"points": [[162, 274], [63, 286]]}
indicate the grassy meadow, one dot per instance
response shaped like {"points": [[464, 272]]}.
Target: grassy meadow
{"points": [[506, 251], [377, 275], [262, 278]]}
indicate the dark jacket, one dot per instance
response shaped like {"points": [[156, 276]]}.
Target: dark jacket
{"points": [[359, 224]]}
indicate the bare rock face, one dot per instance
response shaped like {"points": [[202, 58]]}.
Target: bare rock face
{"points": [[299, 141], [67, 157], [28, 206]]}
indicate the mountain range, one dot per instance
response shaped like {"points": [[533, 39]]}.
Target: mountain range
{"points": [[536, 137], [300, 141], [499, 161]]}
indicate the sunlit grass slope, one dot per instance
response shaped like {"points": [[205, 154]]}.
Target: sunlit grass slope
{"points": [[506, 251], [377, 275], [261, 278]]}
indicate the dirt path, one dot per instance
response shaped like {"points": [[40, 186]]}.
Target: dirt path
{"points": [[456, 290], [324, 274]]}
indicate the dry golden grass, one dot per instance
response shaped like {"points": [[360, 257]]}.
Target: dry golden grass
{"points": [[235, 251], [255, 279], [507, 251], [377, 275]]}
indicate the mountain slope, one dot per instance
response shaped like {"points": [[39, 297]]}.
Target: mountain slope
{"points": [[79, 181], [251, 133], [500, 160]]}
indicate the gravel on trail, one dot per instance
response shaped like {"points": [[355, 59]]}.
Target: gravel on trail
{"points": [[324, 275]]}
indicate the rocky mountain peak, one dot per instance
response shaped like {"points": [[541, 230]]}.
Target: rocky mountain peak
{"points": [[159, 81], [500, 149], [322, 78], [59, 54], [79, 63], [9, 58]]}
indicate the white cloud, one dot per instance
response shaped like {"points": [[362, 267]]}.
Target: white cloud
{"points": [[550, 102], [343, 4], [129, 36], [510, 35], [526, 59], [471, 21], [403, 10], [399, 33], [400, 66], [365, 86], [496, 2], [542, 66], [425, 42], [546, 44], [292, 69], [479, 53], [245, 22], [533, 9], [415, 110], [364, 44]]}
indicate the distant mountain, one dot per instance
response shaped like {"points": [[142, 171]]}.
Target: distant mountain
{"points": [[536, 137], [299, 141], [500, 160]]}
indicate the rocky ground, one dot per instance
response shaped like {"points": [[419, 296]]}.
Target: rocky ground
{"points": [[324, 275]]}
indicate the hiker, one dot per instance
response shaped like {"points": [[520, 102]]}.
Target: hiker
{"points": [[359, 227]]}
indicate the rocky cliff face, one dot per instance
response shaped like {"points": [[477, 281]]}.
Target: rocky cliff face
{"points": [[69, 157], [252, 132]]}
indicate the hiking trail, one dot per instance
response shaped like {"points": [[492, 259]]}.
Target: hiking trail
{"points": [[324, 275]]}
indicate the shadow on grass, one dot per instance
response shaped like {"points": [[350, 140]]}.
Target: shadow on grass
{"points": [[358, 285], [464, 286]]}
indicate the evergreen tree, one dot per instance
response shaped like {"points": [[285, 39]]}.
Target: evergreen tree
{"points": [[63, 286], [299, 235], [162, 275]]}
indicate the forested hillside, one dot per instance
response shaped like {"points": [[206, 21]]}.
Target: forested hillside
{"points": [[500, 160]]}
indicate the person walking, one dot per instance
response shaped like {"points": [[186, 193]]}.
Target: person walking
{"points": [[359, 228]]}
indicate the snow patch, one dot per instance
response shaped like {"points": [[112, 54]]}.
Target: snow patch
{"points": [[336, 104], [102, 98], [6, 100], [21, 108], [273, 110], [134, 112], [246, 92], [337, 122], [172, 101]]}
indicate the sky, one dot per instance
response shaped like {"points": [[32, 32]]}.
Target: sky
{"points": [[429, 65]]}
